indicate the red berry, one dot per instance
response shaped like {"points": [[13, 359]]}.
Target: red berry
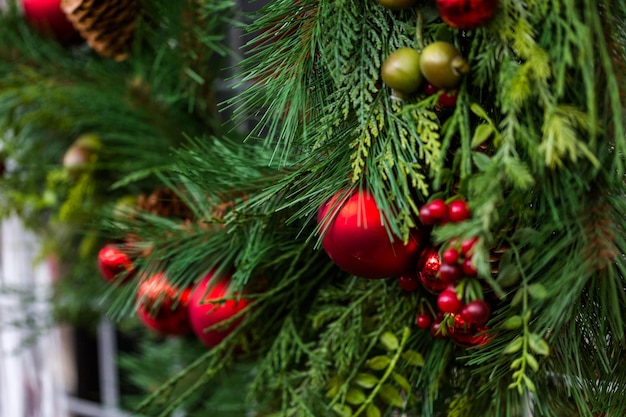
{"points": [[469, 268], [458, 211], [430, 89], [423, 321], [409, 282], [434, 330], [448, 301], [451, 256], [438, 209], [450, 272], [426, 216], [476, 312], [467, 245], [448, 98]]}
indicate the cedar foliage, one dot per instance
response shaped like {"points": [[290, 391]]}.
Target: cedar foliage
{"points": [[535, 143]]}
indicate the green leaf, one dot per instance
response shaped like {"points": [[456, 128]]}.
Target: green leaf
{"points": [[537, 291], [514, 346], [481, 161], [413, 358], [532, 362], [512, 323], [516, 363], [355, 396], [378, 363], [517, 298], [389, 341], [391, 395], [530, 385], [342, 410], [538, 345], [402, 382], [508, 276], [481, 134], [372, 411], [479, 111], [365, 380]]}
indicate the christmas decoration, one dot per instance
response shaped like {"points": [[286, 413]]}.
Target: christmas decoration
{"points": [[356, 239], [164, 202], [423, 321], [442, 65], [210, 305], [397, 4], [115, 264], [476, 312], [81, 154], [428, 270], [467, 14], [401, 70], [107, 25], [46, 16], [162, 307], [467, 334], [448, 301], [458, 211], [408, 282]]}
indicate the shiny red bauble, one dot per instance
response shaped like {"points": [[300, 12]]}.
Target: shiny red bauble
{"points": [[47, 17], [459, 211], [114, 264], [448, 301], [356, 239], [207, 308], [428, 270], [467, 14], [467, 334], [162, 307], [423, 321]]}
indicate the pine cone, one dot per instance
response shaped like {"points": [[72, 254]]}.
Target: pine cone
{"points": [[164, 202], [106, 25]]}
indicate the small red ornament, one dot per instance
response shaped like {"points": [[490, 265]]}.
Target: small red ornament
{"points": [[438, 209], [476, 312], [467, 245], [207, 308], [423, 321], [434, 330], [358, 242], [114, 264], [448, 98], [458, 211], [163, 307], [428, 270], [467, 14], [448, 301], [426, 216], [450, 273], [451, 256], [469, 268], [466, 334], [408, 282], [47, 17]]}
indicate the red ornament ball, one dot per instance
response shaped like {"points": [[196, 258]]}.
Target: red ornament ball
{"points": [[459, 211], [467, 14], [451, 256], [207, 309], [408, 282], [467, 245], [162, 307], [450, 273], [448, 302], [469, 268], [423, 321], [476, 312], [358, 242], [114, 264], [467, 334], [428, 270], [47, 17]]}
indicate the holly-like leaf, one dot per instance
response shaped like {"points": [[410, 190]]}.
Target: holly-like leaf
{"points": [[413, 358], [481, 134], [512, 323], [378, 363], [389, 341], [372, 411], [365, 380], [342, 410], [514, 346], [391, 395], [402, 381], [538, 345], [355, 396], [537, 291]]}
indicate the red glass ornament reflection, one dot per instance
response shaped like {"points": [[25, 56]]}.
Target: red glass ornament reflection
{"points": [[48, 18], [357, 241], [428, 270], [467, 334], [161, 308], [114, 263], [467, 14], [205, 311]]}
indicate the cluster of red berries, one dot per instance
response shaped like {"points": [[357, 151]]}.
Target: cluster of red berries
{"points": [[439, 212], [447, 98]]}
